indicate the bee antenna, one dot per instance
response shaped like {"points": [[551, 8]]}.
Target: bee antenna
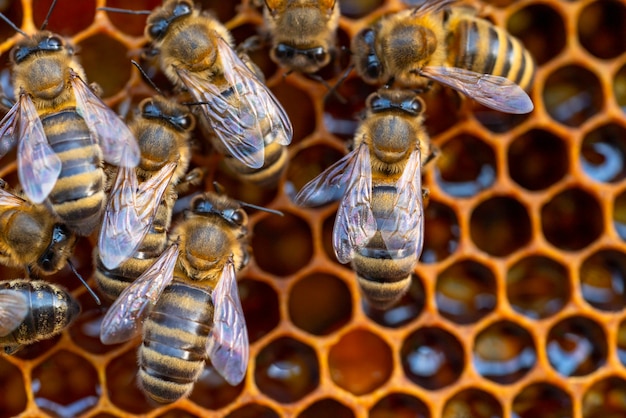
{"points": [[145, 76], [261, 208], [127, 11], [45, 21], [13, 25], [89, 289]]}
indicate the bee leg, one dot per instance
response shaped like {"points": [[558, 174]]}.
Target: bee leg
{"points": [[333, 90], [434, 153], [12, 349], [251, 44], [191, 179], [425, 195], [96, 89]]}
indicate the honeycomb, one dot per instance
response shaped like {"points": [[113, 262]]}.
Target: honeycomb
{"points": [[517, 305]]}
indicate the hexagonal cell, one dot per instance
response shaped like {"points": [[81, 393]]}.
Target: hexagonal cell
{"points": [[356, 9], [603, 153], [400, 405], [112, 73], [538, 286], [466, 166], [260, 307], [601, 28], [533, 25], [572, 219], [576, 346], [287, 370], [74, 394], [466, 292], [504, 352], [360, 362], [282, 245], [432, 358], [13, 396], [500, 226], [121, 384], [542, 400], [320, 304], [67, 18], [441, 232], [131, 24], [621, 342], [327, 408], [619, 87], [473, 403], [342, 119], [605, 398], [240, 189], [406, 310], [603, 280], [572, 94], [619, 215], [253, 411], [211, 391], [85, 331], [548, 154], [308, 163]]}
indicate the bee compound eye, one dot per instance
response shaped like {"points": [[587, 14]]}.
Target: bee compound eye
{"points": [[182, 9], [283, 51], [149, 109], [158, 28], [319, 54], [373, 68], [21, 53], [238, 217], [185, 122], [54, 43]]}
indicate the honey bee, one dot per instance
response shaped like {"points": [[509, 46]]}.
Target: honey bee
{"points": [[303, 32], [63, 130], [188, 304], [245, 121], [379, 225], [449, 45], [33, 310], [134, 232]]}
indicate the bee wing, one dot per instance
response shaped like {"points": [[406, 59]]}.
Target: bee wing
{"points": [[129, 213], [9, 200], [227, 345], [13, 310], [329, 185], [38, 166], [403, 229], [124, 318], [423, 7], [117, 142], [495, 92], [8, 130], [355, 224]]}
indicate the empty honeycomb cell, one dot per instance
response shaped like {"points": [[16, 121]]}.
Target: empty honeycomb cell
{"points": [[432, 358], [500, 225], [621, 342], [605, 398], [121, 383], [603, 153], [537, 286], [576, 346], [342, 114], [253, 411], [601, 28], [466, 166], [619, 215], [308, 163], [130, 24], [286, 370], [289, 253], [112, 73], [402, 312], [466, 292], [441, 232], [303, 124], [572, 219], [537, 159], [400, 405], [74, 394], [603, 280], [360, 362], [260, 307], [619, 87], [320, 304], [504, 352], [572, 94], [473, 403], [67, 18], [542, 400], [357, 9], [327, 408], [13, 395], [533, 25], [211, 390], [85, 331]]}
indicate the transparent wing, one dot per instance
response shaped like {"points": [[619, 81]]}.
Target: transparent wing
{"points": [[129, 213], [38, 166], [115, 139], [9, 200], [355, 224], [8, 131], [403, 229], [124, 318], [238, 115], [13, 310], [329, 185], [423, 7], [495, 92], [227, 344]]}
